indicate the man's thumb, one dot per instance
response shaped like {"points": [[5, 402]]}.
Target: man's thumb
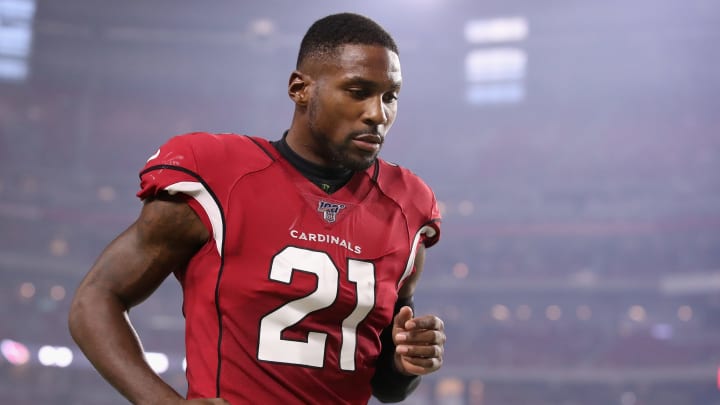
{"points": [[405, 314]]}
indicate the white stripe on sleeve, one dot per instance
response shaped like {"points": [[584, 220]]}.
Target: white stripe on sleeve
{"points": [[411, 260], [204, 198]]}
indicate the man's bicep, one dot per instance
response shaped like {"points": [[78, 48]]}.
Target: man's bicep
{"points": [[163, 239]]}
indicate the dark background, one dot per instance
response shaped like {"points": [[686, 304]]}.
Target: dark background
{"points": [[578, 174]]}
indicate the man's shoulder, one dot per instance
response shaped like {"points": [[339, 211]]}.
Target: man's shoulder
{"points": [[393, 177], [201, 152], [414, 197], [226, 146], [405, 188], [221, 140]]}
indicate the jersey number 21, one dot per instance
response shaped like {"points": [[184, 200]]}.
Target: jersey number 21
{"points": [[272, 347]]}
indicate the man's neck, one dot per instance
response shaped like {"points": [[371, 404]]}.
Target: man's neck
{"points": [[329, 179]]}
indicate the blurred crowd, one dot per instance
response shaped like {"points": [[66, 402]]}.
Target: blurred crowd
{"points": [[580, 251]]}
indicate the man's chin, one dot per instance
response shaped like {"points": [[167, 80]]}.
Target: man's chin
{"points": [[359, 164]]}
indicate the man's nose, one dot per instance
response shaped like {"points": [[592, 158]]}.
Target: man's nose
{"points": [[375, 112]]}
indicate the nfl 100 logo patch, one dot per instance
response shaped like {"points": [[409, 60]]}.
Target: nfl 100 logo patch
{"points": [[329, 210]]}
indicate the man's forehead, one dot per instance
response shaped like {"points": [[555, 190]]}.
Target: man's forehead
{"points": [[390, 80], [369, 54], [369, 62]]}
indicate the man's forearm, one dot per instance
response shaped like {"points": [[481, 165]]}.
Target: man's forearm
{"points": [[99, 324]]}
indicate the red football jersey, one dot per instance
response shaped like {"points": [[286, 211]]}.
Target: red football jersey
{"points": [[286, 302]]}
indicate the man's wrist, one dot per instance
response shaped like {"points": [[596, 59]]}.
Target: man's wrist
{"points": [[391, 383]]}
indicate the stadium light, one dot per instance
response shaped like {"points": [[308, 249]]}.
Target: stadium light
{"points": [[158, 361], [14, 352], [496, 30], [495, 64], [51, 356], [16, 20]]}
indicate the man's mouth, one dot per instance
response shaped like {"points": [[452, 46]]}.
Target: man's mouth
{"points": [[368, 142]]}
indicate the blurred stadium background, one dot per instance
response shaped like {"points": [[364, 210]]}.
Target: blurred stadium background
{"points": [[574, 146]]}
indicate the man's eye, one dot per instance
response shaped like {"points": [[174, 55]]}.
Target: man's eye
{"points": [[389, 98], [358, 93]]}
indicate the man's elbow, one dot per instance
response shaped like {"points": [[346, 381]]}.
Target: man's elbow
{"points": [[87, 305], [77, 315]]}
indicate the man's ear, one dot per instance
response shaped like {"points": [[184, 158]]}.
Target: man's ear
{"points": [[299, 88]]}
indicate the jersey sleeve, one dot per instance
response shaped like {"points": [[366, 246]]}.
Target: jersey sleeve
{"points": [[419, 206], [415, 198], [173, 162], [432, 231], [174, 169]]}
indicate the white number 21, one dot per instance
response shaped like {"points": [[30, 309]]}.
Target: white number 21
{"points": [[272, 347]]}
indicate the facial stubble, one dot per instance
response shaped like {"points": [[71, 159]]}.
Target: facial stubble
{"points": [[339, 154]]}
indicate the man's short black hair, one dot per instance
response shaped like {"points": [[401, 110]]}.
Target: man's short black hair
{"points": [[327, 34]]}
